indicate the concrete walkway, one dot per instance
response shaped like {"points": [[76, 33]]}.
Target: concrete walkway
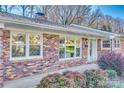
{"points": [[32, 81]]}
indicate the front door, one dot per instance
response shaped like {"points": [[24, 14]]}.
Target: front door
{"points": [[92, 50]]}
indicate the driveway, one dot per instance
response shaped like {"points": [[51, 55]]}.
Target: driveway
{"points": [[32, 81]]}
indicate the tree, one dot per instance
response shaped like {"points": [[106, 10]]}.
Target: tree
{"points": [[0, 8], [104, 28], [23, 9], [32, 10], [109, 29], [94, 18], [6, 8], [67, 15], [70, 14]]}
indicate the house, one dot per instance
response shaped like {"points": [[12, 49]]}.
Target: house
{"points": [[29, 46]]}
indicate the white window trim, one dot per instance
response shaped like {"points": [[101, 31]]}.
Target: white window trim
{"points": [[26, 57], [61, 59], [119, 44], [102, 44]]}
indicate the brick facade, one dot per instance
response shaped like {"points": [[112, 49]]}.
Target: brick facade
{"points": [[1, 60], [49, 62], [10, 70], [119, 50]]}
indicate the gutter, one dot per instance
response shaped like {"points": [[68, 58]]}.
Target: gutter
{"points": [[65, 29], [95, 30]]}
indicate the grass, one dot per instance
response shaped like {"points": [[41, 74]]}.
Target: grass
{"points": [[117, 84]]}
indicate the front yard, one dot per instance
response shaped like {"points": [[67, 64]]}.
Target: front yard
{"points": [[110, 75], [117, 83], [32, 81], [91, 79]]}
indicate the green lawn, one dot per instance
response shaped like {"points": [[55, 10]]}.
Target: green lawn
{"points": [[117, 83]]}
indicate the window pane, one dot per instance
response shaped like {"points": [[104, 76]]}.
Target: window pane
{"points": [[77, 52], [118, 41], [34, 50], [106, 44], [61, 52], [34, 39], [115, 43], [69, 51], [18, 50], [62, 41], [118, 45], [18, 38], [69, 41], [78, 43]]}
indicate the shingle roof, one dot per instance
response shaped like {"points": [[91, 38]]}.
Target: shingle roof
{"points": [[15, 17], [81, 29]]}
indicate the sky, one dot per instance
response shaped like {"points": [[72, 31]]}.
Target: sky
{"points": [[113, 10]]}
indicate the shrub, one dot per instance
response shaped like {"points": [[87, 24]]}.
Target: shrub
{"points": [[111, 74], [68, 80], [54, 81], [111, 60], [90, 78], [76, 79], [95, 78]]}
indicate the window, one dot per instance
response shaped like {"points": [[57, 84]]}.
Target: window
{"points": [[69, 47], [34, 45], [25, 45], [78, 44], [62, 47], [117, 43], [18, 45], [106, 44]]}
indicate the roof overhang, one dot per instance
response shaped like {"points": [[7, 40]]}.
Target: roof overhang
{"points": [[9, 23]]}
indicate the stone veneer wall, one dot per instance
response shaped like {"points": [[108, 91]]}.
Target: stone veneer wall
{"points": [[101, 51], [121, 49], [49, 62], [1, 59], [85, 49]]}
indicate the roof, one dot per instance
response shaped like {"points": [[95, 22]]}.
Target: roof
{"points": [[17, 19]]}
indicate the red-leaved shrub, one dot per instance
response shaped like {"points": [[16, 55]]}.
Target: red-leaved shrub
{"points": [[54, 81], [76, 79], [112, 60], [67, 80]]}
